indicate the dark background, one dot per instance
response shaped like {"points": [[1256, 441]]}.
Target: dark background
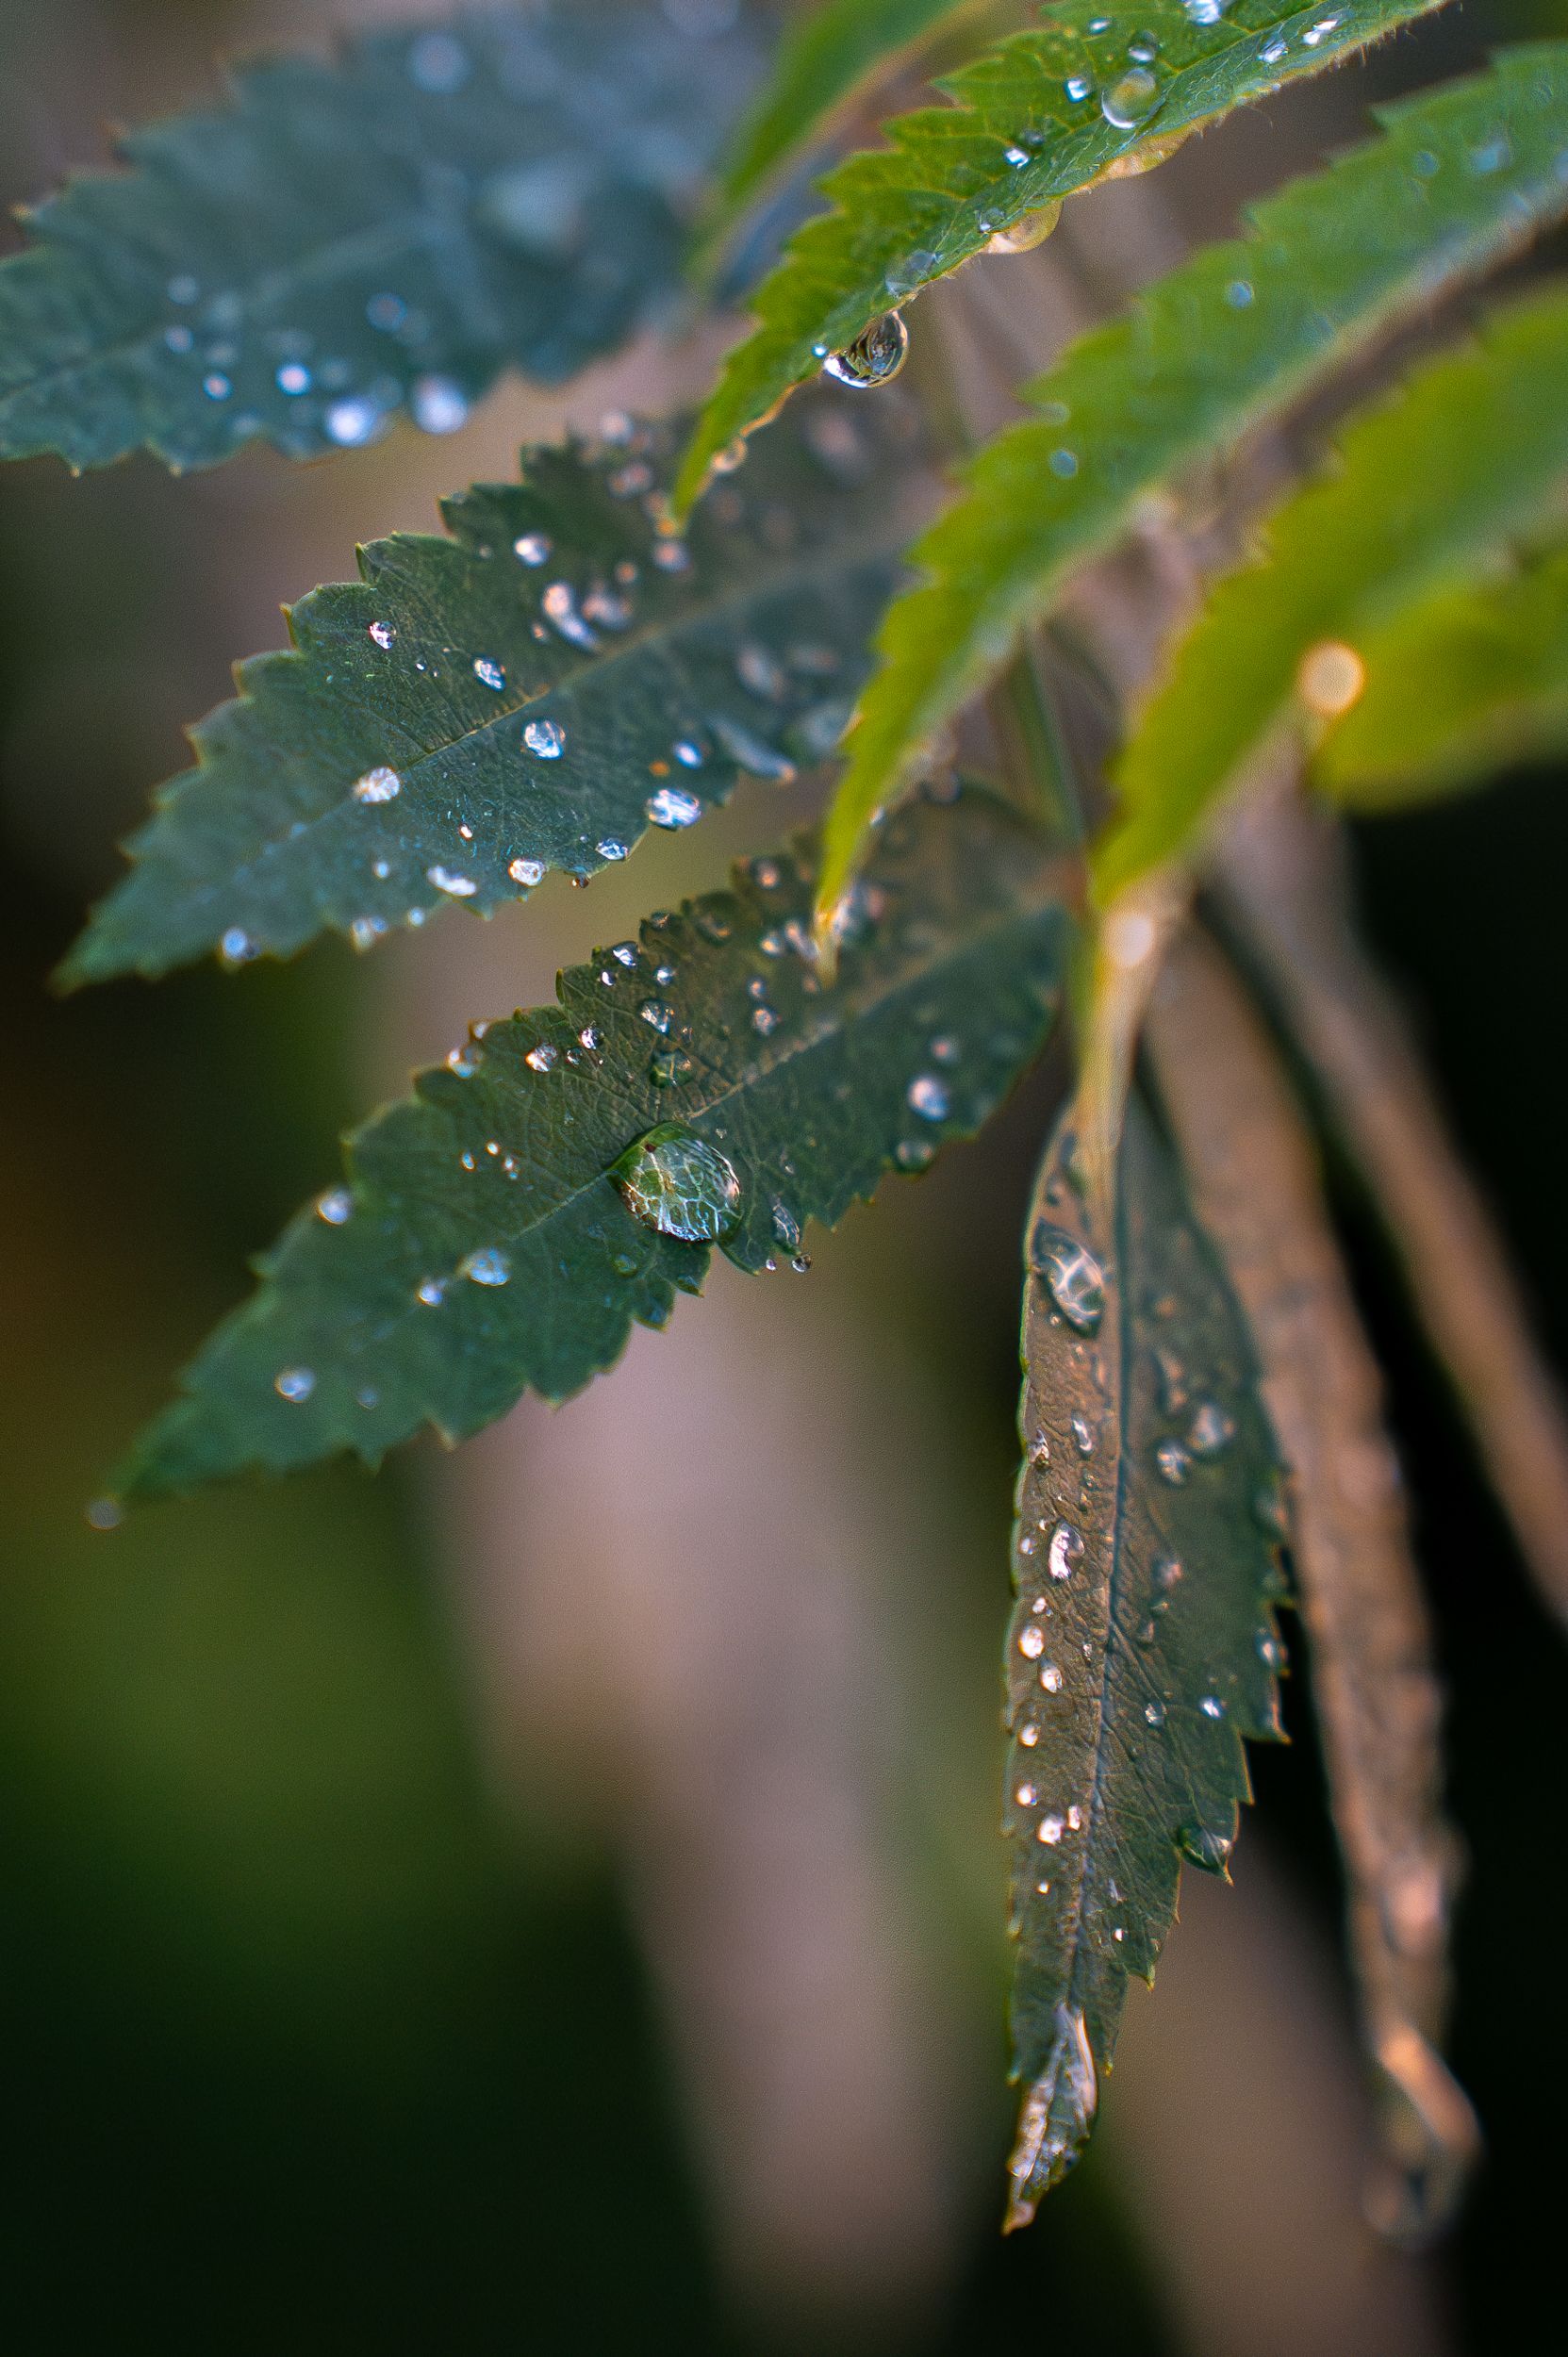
{"points": [[350, 1992]]}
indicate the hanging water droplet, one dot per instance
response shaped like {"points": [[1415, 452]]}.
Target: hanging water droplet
{"points": [[1030, 229], [1205, 1848], [930, 1097], [237, 947], [1131, 99], [377, 785], [335, 1206], [874, 358], [294, 1383], [1072, 1276], [489, 1266], [671, 806], [675, 1182], [1066, 1548]]}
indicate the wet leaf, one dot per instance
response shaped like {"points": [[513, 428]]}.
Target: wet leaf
{"points": [[1142, 1647], [1038, 117], [1203, 357], [382, 232], [500, 1230], [1431, 489], [531, 692], [1460, 689]]}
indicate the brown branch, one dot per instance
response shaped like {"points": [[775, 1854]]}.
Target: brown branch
{"points": [[1284, 865], [1253, 1172]]}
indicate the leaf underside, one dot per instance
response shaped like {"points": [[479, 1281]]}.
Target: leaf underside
{"points": [[530, 693], [1203, 357], [1431, 489], [1142, 1646], [823, 60], [387, 229], [1471, 684], [717, 1021], [1014, 139]]}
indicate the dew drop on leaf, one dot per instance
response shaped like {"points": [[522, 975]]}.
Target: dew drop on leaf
{"points": [[377, 785], [1031, 229], [675, 1182], [1131, 99], [489, 1266], [874, 358], [671, 806], [1071, 1275], [294, 1383]]}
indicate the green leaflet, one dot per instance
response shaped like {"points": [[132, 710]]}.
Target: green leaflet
{"points": [[1203, 357], [823, 60], [1142, 1646], [1431, 487], [1030, 122], [530, 693], [392, 228], [1457, 690], [482, 1246]]}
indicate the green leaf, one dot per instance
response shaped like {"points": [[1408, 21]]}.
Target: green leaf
{"points": [[528, 694], [1430, 487], [1468, 684], [1142, 1647], [824, 60], [1016, 137], [1204, 357], [391, 228], [484, 1245]]}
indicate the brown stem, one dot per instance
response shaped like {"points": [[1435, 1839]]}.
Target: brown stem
{"points": [[1253, 1172], [1282, 864]]}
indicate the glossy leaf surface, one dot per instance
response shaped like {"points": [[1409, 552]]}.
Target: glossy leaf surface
{"points": [[486, 1241], [531, 692], [1142, 1646]]}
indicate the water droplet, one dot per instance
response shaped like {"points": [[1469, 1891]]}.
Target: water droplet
{"points": [[488, 674], [1320, 31], [353, 422], [294, 1383], [237, 947], [625, 953], [1155, 1714], [1051, 1829], [1330, 678], [489, 1266], [608, 849], [1083, 1436], [1211, 1429], [1205, 11], [671, 555], [1205, 1848], [1064, 464], [293, 380], [105, 1514], [874, 358], [1014, 158], [377, 785], [654, 1011], [1066, 1548], [527, 872], [1072, 1276], [541, 1059], [669, 1066], [930, 1097], [671, 806], [765, 1019], [560, 608], [675, 1182], [1026, 1795], [1275, 54], [335, 1206], [1030, 229], [1211, 1707], [1079, 87], [1173, 1463], [217, 386], [1167, 1574], [1131, 99], [179, 339], [439, 405], [531, 548], [1029, 1735], [914, 1153], [432, 1292], [444, 880], [1050, 1678], [1032, 1644]]}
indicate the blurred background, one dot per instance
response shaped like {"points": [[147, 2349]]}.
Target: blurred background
{"points": [[549, 1897]]}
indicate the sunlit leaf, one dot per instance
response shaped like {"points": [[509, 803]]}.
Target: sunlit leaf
{"points": [[1458, 690], [1431, 489], [384, 231], [1203, 357], [1040, 116], [530, 693], [1142, 1647], [503, 1227]]}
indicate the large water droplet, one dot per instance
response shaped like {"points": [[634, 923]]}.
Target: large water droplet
{"points": [[1131, 99], [672, 806], [1067, 1547], [677, 1183], [1072, 1276], [875, 356]]}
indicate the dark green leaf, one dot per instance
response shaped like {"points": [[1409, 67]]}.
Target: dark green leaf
{"points": [[391, 228], [530, 693], [1431, 489], [1458, 690], [1203, 357], [484, 1245], [1040, 116], [1142, 1647], [825, 58]]}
